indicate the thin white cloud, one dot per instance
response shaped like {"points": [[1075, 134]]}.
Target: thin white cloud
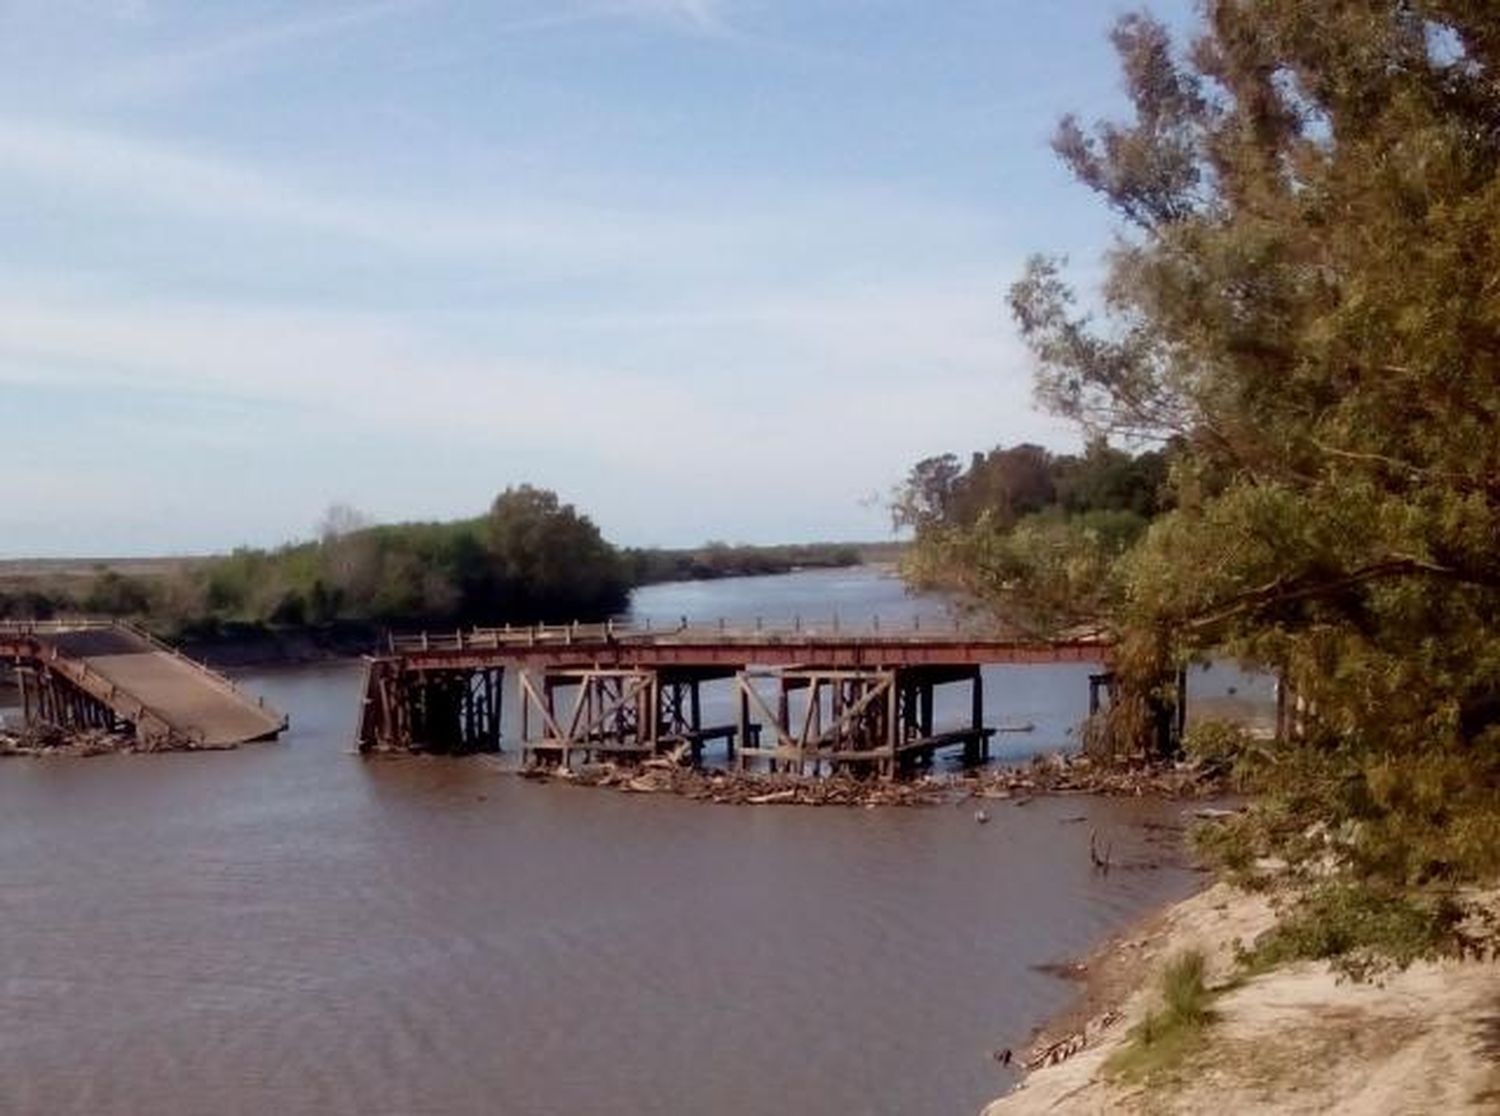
{"points": [[707, 16], [530, 235], [880, 368], [249, 48], [703, 17], [237, 50], [178, 182], [331, 366]]}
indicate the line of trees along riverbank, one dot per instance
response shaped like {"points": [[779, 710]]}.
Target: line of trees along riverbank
{"points": [[530, 558]]}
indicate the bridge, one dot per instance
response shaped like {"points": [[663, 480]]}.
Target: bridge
{"points": [[114, 676], [816, 699]]}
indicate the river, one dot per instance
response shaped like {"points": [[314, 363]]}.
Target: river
{"points": [[289, 928]]}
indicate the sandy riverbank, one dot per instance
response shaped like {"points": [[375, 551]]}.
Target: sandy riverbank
{"points": [[1295, 1040]]}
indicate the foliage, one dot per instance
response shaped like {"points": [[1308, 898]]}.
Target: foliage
{"points": [[1159, 1042], [545, 559], [1033, 535], [1302, 304], [1375, 848], [1363, 928], [1007, 484], [717, 559], [1227, 747], [1045, 572], [1420, 819], [531, 558], [32, 602], [114, 594]]}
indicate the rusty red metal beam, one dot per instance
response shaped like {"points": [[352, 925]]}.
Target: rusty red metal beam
{"points": [[822, 651], [18, 647]]}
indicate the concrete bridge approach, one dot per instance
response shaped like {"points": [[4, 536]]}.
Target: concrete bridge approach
{"points": [[105, 674], [804, 700]]}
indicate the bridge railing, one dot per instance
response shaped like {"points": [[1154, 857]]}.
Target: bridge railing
{"points": [[872, 630], [52, 627]]}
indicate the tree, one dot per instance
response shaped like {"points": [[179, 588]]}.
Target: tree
{"points": [[1006, 483], [926, 496], [550, 562], [1304, 296], [1032, 534], [340, 520], [1104, 478], [114, 594]]}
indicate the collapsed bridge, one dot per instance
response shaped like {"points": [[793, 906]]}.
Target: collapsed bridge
{"points": [[116, 677], [804, 700]]}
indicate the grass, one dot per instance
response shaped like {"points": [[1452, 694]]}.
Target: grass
{"points": [[1159, 1043]]}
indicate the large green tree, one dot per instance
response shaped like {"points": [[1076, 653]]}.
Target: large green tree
{"points": [[1033, 533], [549, 561], [1305, 294]]}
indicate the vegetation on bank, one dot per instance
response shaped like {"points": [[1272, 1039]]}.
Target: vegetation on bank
{"points": [[1172, 1032], [530, 558], [1300, 316], [1369, 858], [718, 559]]}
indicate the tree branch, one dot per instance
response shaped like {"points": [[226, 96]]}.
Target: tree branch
{"points": [[1284, 590]]}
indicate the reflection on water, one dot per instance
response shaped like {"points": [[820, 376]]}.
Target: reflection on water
{"points": [[290, 928]]}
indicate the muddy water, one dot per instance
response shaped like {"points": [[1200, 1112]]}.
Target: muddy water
{"points": [[287, 928]]}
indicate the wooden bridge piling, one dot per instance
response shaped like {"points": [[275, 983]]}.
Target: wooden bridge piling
{"points": [[805, 698]]}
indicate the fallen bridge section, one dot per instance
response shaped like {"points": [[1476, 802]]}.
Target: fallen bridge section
{"points": [[112, 675]]}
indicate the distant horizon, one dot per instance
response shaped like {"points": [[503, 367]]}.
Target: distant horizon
{"points": [[706, 268]]}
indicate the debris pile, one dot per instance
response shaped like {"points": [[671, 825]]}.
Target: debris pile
{"points": [[52, 740], [753, 788], [1047, 775], [1077, 774]]}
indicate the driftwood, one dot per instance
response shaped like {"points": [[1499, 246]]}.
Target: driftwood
{"points": [[749, 789], [775, 796], [1100, 863], [1059, 1051], [50, 740], [673, 773], [1064, 1048]]}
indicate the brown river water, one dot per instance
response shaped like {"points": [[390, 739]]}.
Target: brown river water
{"points": [[287, 928]]}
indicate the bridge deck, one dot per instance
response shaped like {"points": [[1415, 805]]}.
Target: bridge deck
{"points": [[723, 646], [144, 680]]}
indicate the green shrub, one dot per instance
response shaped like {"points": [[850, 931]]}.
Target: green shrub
{"points": [[1158, 1044], [1363, 929]]}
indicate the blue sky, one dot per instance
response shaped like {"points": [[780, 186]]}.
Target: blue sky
{"points": [[709, 268]]}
